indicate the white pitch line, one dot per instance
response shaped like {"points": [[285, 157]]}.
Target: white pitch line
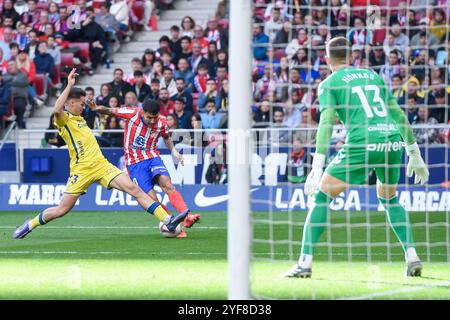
{"points": [[110, 227], [110, 253], [397, 291]]}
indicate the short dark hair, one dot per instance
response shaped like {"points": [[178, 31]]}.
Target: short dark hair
{"points": [[76, 93], [151, 106], [339, 49], [181, 79], [164, 38], [167, 69], [175, 28], [211, 100], [154, 80], [89, 89], [202, 66], [118, 69], [186, 38], [180, 99], [278, 109], [138, 73]]}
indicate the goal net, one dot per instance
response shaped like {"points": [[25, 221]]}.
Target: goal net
{"points": [[358, 255]]}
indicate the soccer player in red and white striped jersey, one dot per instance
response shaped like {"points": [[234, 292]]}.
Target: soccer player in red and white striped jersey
{"points": [[143, 128]]}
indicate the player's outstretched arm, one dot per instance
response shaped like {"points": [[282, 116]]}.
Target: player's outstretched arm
{"points": [[415, 163], [323, 140], [59, 104], [100, 109]]}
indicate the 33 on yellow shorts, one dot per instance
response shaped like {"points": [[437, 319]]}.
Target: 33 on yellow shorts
{"points": [[81, 178]]}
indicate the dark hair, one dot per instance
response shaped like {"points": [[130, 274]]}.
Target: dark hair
{"points": [[13, 45], [175, 117], [151, 106], [175, 28], [118, 69], [164, 38], [185, 38], [180, 99], [190, 19], [202, 66], [89, 89], [76, 93], [136, 60], [211, 100], [278, 109], [167, 69], [180, 78], [397, 76], [211, 79], [138, 73], [339, 49], [155, 80]]}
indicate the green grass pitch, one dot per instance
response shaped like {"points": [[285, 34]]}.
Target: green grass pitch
{"points": [[121, 255]]}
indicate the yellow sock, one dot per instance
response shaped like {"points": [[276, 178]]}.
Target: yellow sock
{"points": [[37, 221], [158, 211]]}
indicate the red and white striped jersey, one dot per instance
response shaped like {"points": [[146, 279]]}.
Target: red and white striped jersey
{"points": [[140, 140]]}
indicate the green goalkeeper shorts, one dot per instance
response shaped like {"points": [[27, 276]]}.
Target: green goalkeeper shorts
{"points": [[353, 165]]}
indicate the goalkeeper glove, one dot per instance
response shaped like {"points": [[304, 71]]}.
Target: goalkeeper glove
{"points": [[313, 179], [416, 164]]}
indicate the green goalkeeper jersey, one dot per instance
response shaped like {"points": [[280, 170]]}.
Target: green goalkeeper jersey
{"points": [[364, 104]]}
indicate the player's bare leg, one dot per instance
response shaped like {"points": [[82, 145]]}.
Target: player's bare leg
{"points": [[153, 196], [67, 203], [399, 221], [330, 187], [176, 199], [123, 183]]}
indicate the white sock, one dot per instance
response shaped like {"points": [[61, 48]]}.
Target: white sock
{"points": [[305, 260], [166, 219], [411, 255]]}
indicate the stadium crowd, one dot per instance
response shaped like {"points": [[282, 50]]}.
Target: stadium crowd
{"points": [[406, 42], [41, 40]]}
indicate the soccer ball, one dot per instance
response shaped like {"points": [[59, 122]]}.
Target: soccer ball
{"points": [[166, 233]]}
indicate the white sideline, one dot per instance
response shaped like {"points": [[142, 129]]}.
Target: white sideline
{"points": [[397, 291], [109, 253], [109, 227]]}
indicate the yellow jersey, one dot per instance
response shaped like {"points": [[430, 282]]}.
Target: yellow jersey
{"points": [[83, 148]]}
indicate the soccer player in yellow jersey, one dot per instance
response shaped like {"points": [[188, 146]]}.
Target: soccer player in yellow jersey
{"points": [[88, 165]]}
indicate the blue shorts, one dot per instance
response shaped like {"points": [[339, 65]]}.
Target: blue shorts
{"points": [[143, 173]]}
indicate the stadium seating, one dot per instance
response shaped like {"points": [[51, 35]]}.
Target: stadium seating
{"points": [[84, 49], [39, 83]]}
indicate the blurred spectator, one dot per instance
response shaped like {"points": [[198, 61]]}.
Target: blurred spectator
{"points": [[222, 97], [8, 11], [297, 43], [439, 108], [292, 116], [197, 139], [53, 12], [411, 108], [266, 84], [185, 73], [425, 135], [439, 26], [45, 64], [27, 66], [280, 135], [7, 40], [377, 58], [5, 97], [157, 72], [140, 88], [166, 60], [283, 36], [131, 100], [115, 138], [356, 58], [30, 16], [187, 26], [3, 62], [424, 34], [147, 61], [89, 115], [154, 89], [199, 36], [166, 105], [196, 58], [262, 117], [214, 33], [53, 50], [21, 37], [210, 93], [119, 9], [107, 21], [14, 50], [105, 95], [168, 82], [53, 138], [211, 119], [32, 45], [217, 169], [391, 67], [201, 78], [164, 45], [396, 39], [119, 86], [296, 169], [183, 116], [175, 41], [186, 51], [274, 24], [260, 41], [18, 83], [359, 34], [181, 93]]}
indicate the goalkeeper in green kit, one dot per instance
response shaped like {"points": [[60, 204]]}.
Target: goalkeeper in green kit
{"points": [[376, 127]]}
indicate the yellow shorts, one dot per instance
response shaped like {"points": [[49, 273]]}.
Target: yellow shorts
{"points": [[81, 178]]}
